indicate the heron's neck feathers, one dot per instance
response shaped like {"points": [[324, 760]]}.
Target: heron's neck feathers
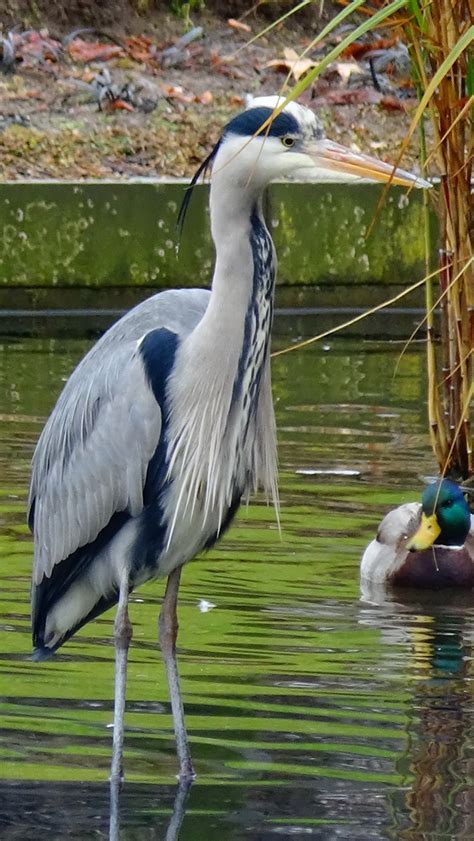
{"points": [[221, 430]]}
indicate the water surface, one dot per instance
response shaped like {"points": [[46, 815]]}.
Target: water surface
{"points": [[312, 711]]}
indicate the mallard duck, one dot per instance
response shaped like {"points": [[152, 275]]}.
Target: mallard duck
{"points": [[427, 545]]}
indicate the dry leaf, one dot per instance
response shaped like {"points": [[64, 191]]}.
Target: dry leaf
{"points": [[346, 69], [80, 50], [35, 47], [292, 64], [393, 103], [120, 105], [237, 24], [205, 98], [358, 50], [138, 47], [224, 64], [177, 92]]}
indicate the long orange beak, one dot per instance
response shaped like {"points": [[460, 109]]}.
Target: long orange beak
{"points": [[330, 159]]}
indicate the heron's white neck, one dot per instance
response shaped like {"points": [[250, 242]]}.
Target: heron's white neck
{"points": [[237, 185], [234, 202], [242, 290], [225, 361]]}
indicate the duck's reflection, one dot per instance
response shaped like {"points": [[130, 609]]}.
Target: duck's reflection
{"points": [[176, 820], [437, 630]]}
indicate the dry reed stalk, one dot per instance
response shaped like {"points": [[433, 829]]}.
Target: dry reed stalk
{"points": [[441, 37], [450, 368]]}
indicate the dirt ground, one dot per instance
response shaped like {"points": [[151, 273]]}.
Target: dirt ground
{"points": [[128, 98]]}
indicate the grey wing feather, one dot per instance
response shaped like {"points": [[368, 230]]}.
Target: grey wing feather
{"points": [[384, 555], [92, 457], [399, 524]]}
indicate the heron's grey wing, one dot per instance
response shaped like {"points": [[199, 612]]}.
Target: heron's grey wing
{"points": [[92, 457], [384, 555]]}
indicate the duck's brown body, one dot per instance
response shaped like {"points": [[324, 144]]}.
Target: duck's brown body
{"points": [[387, 559], [436, 568]]}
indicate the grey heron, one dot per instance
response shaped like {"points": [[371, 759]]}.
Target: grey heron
{"points": [[167, 423]]}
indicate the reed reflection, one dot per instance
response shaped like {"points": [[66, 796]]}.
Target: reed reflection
{"points": [[436, 628]]}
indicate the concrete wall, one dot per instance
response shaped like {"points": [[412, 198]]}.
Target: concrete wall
{"points": [[107, 235]]}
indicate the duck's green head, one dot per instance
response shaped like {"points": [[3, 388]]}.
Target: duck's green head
{"points": [[445, 519]]}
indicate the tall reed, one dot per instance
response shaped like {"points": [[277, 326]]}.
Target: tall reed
{"points": [[435, 31], [441, 38]]}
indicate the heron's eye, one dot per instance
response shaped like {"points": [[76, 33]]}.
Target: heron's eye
{"points": [[288, 141]]}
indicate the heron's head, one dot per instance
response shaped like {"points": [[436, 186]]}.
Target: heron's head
{"points": [[250, 154], [294, 144], [445, 519], [255, 149]]}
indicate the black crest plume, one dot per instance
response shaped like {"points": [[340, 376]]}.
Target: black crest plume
{"points": [[203, 169]]}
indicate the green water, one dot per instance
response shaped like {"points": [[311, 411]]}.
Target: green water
{"points": [[311, 711]]}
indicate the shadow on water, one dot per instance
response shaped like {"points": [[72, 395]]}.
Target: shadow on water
{"points": [[313, 710]]}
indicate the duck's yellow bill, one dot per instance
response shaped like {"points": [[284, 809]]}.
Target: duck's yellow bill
{"points": [[426, 534]]}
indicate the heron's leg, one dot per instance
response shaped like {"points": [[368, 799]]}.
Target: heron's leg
{"points": [[122, 637], [168, 631]]}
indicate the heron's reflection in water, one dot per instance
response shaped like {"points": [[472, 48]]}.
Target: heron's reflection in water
{"points": [[437, 630], [176, 820]]}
